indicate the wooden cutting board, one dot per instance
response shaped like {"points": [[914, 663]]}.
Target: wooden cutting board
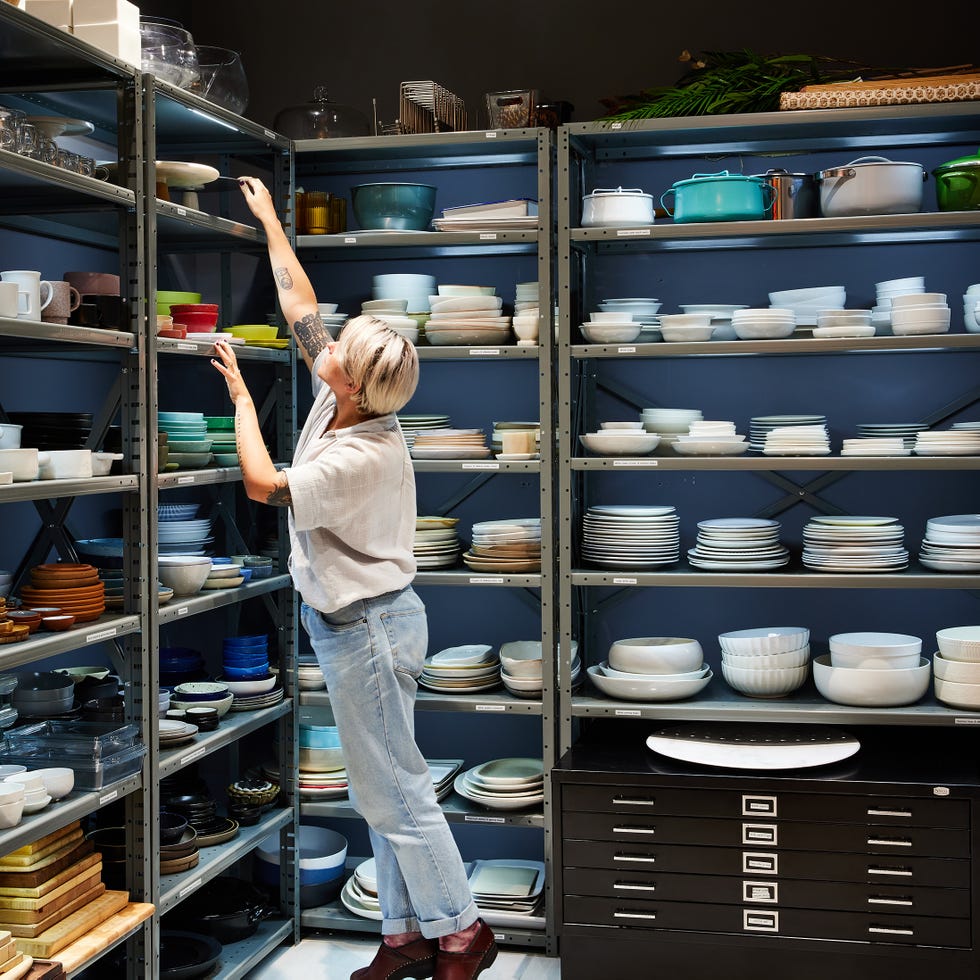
{"points": [[43, 842], [48, 867], [78, 953], [17, 967], [55, 899], [15, 860], [75, 926], [8, 949], [42, 923], [53, 883]]}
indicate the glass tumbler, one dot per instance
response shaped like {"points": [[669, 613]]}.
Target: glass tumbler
{"points": [[9, 119], [28, 140], [316, 211], [47, 150]]}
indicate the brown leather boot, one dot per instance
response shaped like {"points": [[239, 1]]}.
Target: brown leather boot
{"points": [[472, 961], [414, 959]]}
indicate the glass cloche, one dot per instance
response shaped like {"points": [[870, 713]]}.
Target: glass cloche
{"points": [[321, 119]]}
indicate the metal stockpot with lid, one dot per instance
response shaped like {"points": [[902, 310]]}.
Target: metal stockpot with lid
{"points": [[793, 195]]}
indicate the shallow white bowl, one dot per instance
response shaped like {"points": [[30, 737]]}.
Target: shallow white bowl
{"points": [[686, 335], [521, 659], [660, 689], [764, 640], [871, 688], [58, 781], [907, 300], [242, 689], [960, 643], [610, 316], [11, 792], [909, 282], [522, 685], [629, 426], [874, 645], [958, 695], [957, 671], [856, 330], [626, 444], [656, 655], [774, 683], [717, 311], [775, 661], [606, 333], [10, 813], [804, 295], [687, 675], [685, 320], [763, 329]]}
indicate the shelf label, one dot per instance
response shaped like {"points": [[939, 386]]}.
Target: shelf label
{"points": [[491, 707], [624, 581], [269, 134], [487, 580], [632, 232], [616, 125], [481, 466], [484, 351], [182, 212], [966, 721], [184, 479], [181, 346], [940, 791], [108, 798], [472, 818], [634, 462], [187, 889], [490, 135], [488, 236], [350, 240], [191, 756], [627, 712], [182, 610], [625, 350], [100, 635]]}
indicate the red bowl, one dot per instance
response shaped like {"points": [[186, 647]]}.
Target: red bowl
{"points": [[58, 623], [194, 308], [196, 322]]}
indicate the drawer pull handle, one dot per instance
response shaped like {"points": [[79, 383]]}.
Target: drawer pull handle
{"points": [[633, 830], [875, 900], [634, 915], [896, 872], [622, 886], [622, 801], [891, 932], [889, 813], [632, 857], [889, 842]]}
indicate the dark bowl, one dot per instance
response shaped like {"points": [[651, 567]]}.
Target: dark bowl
{"points": [[172, 826], [393, 206]]}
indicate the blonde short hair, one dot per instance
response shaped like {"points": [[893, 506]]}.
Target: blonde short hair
{"points": [[382, 362]]}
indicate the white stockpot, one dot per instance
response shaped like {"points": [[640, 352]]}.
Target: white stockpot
{"points": [[871, 185], [617, 207]]}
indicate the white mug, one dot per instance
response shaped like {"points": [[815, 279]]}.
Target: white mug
{"points": [[29, 288], [8, 299]]}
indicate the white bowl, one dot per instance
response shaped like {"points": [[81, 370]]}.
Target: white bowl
{"points": [[871, 688], [659, 689], [319, 848], [717, 311], [243, 689], [958, 671], [606, 333], [10, 813], [65, 464], [763, 329], [11, 792], [804, 295], [222, 706], [774, 661], [685, 320], [186, 575], [58, 781], [686, 335], [30, 781], [958, 695], [656, 655], [617, 442], [909, 282], [320, 760], [960, 643], [610, 316], [522, 686], [521, 658], [454, 290], [764, 640], [630, 426], [905, 300], [873, 650], [774, 683], [872, 661], [921, 320], [687, 675]]}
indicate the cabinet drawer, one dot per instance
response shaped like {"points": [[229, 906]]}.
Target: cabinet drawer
{"points": [[795, 835], [736, 861], [912, 930], [882, 899], [670, 801]]}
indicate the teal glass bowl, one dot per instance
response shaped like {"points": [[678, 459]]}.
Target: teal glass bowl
{"points": [[393, 207]]}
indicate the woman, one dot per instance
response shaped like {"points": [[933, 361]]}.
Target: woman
{"points": [[351, 497]]}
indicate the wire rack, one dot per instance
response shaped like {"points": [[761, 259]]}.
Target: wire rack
{"points": [[427, 107]]}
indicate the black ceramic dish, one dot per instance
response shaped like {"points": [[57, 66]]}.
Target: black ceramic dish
{"points": [[229, 909], [187, 955], [172, 827]]}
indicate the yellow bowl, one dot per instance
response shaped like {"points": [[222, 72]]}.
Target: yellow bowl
{"points": [[253, 331]]}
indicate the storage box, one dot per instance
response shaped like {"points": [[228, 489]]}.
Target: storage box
{"points": [[85, 12], [95, 739], [54, 12], [90, 773], [120, 40]]}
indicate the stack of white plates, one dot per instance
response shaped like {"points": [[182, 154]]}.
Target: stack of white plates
{"points": [[525, 297], [360, 891], [411, 424], [711, 439], [469, 319], [503, 784], [506, 546], [505, 887], [437, 543], [875, 446], [952, 543], [760, 425], [462, 670], [807, 302], [971, 308], [906, 431], [947, 442], [414, 288], [631, 535], [766, 662], [332, 322], [327, 784], [450, 444], [174, 732], [443, 772], [885, 292], [669, 423], [184, 537], [734, 544], [966, 426], [644, 311], [797, 440], [854, 544]]}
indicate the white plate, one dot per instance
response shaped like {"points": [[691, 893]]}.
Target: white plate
{"points": [[459, 452], [507, 877], [727, 566], [949, 566], [353, 904], [632, 510]]}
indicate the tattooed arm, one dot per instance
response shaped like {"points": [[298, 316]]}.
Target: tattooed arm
{"points": [[296, 294]]}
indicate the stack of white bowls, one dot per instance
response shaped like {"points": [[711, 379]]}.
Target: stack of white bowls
{"points": [[872, 670], [952, 543], [644, 311], [711, 439], [807, 302], [686, 328], [766, 662], [619, 441], [392, 312], [956, 666], [971, 308], [610, 327], [920, 313], [881, 312], [526, 314], [773, 323], [721, 317], [414, 288], [652, 668], [521, 667], [844, 323], [669, 423]]}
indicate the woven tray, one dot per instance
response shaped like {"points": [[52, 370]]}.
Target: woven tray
{"points": [[846, 95]]}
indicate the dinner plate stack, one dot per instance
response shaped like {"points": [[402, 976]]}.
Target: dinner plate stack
{"points": [[503, 784], [761, 425], [965, 426], [906, 431], [462, 670], [173, 732], [184, 536], [875, 446], [711, 439], [74, 588], [360, 892], [737, 544], [854, 544], [443, 772], [507, 892], [947, 442], [631, 535], [952, 543], [411, 425], [797, 440], [505, 546], [450, 444], [437, 543], [472, 319], [669, 423]]}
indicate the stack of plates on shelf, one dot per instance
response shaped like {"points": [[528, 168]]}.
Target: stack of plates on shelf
{"points": [[906, 431], [797, 440], [807, 303], [875, 446], [53, 430], [947, 442], [255, 702], [186, 427], [412, 424], [443, 772], [184, 537], [766, 662], [330, 784], [468, 319], [414, 288], [761, 425], [115, 588], [333, 322], [221, 432], [669, 423], [854, 544], [734, 544], [631, 535], [721, 317], [224, 574], [175, 732], [360, 891], [503, 784], [437, 543], [521, 667], [711, 439], [497, 440], [450, 444], [505, 546], [643, 310], [462, 670], [309, 676], [507, 892], [519, 214], [966, 426], [952, 543], [74, 588]]}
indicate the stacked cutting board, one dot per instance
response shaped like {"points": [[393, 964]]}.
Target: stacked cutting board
{"points": [[53, 901]]}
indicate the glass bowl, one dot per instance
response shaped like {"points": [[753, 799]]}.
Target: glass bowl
{"points": [[168, 51], [221, 78]]}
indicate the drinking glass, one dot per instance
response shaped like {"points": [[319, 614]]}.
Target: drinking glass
{"points": [[28, 140]]}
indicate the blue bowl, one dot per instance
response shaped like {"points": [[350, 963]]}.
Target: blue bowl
{"points": [[311, 739], [246, 673], [393, 207], [238, 641]]}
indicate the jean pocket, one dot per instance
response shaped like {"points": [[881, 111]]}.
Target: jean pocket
{"points": [[408, 638]]}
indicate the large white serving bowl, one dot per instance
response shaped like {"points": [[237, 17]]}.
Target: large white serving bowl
{"points": [[685, 334], [58, 781], [775, 661], [871, 688], [656, 689], [957, 671], [611, 333], [620, 442], [874, 651], [764, 640], [687, 675], [656, 655], [958, 695], [185, 574], [775, 329], [959, 643], [764, 683]]}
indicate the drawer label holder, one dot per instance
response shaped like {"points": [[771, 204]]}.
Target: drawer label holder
{"points": [[753, 806], [760, 833], [758, 862], [760, 891], [760, 920]]}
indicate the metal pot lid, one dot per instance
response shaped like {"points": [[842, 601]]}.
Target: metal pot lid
{"points": [[724, 175], [618, 192], [962, 163], [781, 172], [861, 162]]}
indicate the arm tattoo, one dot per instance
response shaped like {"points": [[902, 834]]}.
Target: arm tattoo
{"points": [[279, 496], [311, 335], [283, 277]]}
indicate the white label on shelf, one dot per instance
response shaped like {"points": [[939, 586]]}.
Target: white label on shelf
{"points": [[616, 125], [940, 791], [491, 707], [472, 818], [187, 889], [966, 721], [269, 134], [100, 635], [490, 135], [624, 581], [182, 212], [484, 351], [181, 346], [481, 466], [182, 610], [632, 232], [487, 580], [191, 756], [627, 712], [350, 240], [634, 462], [185, 479], [625, 350], [488, 236], [108, 798]]}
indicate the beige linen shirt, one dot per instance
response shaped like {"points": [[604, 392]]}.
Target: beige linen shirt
{"points": [[352, 520]]}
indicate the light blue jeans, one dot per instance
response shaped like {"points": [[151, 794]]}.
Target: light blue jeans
{"points": [[371, 653]]}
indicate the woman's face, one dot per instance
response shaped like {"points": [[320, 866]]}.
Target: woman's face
{"points": [[332, 373]]}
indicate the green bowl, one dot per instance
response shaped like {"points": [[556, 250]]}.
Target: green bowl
{"points": [[226, 459], [220, 423], [170, 296]]}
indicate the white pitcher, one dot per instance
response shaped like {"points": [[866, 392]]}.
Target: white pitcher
{"points": [[30, 286]]}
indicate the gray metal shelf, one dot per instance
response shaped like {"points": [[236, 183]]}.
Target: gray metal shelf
{"points": [[181, 227], [429, 243], [167, 345], [205, 601], [477, 578], [50, 489], [469, 466], [493, 702], [43, 645], [238, 958], [481, 353], [54, 334], [847, 464]]}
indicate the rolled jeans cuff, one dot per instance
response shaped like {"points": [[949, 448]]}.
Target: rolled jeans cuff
{"points": [[394, 927], [446, 927]]}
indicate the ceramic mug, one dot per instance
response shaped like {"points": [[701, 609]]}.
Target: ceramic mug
{"points": [[65, 299], [30, 286], [8, 299], [518, 441]]}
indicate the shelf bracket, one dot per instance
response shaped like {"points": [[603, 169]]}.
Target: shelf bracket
{"points": [[800, 493]]}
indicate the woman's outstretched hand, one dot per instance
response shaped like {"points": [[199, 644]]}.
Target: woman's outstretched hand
{"points": [[258, 199], [228, 367]]}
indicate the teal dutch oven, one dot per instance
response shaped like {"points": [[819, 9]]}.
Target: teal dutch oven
{"points": [[722, 196]]}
